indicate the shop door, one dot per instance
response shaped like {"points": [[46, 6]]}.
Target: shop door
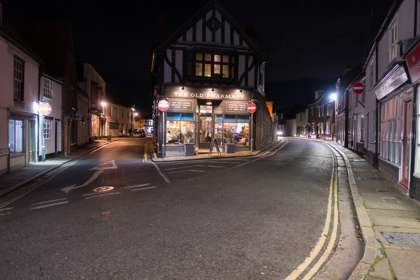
{"points": [[206, 126], [406, 145]]}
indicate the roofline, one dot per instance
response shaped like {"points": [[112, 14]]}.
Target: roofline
{"points": [[45, 74], [211, 4], [391, 12], [20, 46]]}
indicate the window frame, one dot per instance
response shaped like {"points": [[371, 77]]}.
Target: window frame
{"points": [[231, 65], [47, 88], [47, 128], [393, 41], [12, 146], [18, 79]]}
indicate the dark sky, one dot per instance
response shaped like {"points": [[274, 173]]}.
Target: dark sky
{"points": [[308, 43]]}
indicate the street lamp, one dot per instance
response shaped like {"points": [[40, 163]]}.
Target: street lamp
{"points": [[333, 97], [103, 104]]}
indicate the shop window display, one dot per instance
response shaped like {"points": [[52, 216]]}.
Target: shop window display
{"points": [[180, 132]]}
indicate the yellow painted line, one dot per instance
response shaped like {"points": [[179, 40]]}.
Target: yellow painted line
{"points": [[329, 250], [321, 241]]}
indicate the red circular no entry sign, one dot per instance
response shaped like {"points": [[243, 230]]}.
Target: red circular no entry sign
{"points": [[251, 107], [358, 87], [163, 105]]}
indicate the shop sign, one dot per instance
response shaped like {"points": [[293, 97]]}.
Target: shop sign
{"points": [[251, 107], [44, 108], [236, 107], [413, 63], [393, 80], [209, 94], [180, 105]]}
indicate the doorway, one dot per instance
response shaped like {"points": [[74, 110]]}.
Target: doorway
{"points": [[32, 139], [406, 144], [206, 126]]}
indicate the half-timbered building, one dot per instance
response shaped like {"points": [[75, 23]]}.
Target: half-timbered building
{"points": [[208, 71]]}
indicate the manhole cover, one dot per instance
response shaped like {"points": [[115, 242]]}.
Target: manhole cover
{"points": [[103, 189], [402, 238]]}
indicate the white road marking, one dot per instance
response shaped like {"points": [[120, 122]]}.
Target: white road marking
{"points": [[164, 177], [215, 166], [6, 209], [184, 166], [137, 186], [102, 195], [92, 178], [49, 205], [49, 201], [112, 162], [143, 189], [188, 170]]}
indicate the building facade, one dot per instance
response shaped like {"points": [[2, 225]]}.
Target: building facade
{"points": [[118, 120], [389, 86], [95, 87], [18, 112], [302, 123], [208, 71], [30, 111], [321, 116]]}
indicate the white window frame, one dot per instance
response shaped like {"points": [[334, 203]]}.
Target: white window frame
{"points": [[393, 41], [47, 90], [46, 129]]}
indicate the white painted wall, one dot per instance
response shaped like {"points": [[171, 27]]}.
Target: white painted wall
{"points": [[31, 76]]}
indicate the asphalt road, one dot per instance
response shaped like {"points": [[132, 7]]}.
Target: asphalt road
{"points": [[254, 218]]}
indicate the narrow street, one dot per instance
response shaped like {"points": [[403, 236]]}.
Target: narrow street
{"points": [[247, 218]]}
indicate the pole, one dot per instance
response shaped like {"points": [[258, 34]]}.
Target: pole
{"points": [[163, 134], [252, 132]]}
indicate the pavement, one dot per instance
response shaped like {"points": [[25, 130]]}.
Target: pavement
{"points": [[213, 155], [15, 179], [123, 216], [389, 222]]}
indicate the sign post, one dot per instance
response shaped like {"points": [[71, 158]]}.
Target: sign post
{"points": [[252, 108], [163, 107]]}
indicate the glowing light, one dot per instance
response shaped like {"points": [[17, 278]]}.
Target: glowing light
{"points": [[136, 114], [104, 104], [280, 132], [333, 96]]}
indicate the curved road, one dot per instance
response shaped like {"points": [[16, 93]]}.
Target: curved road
{"points": [[217, 219]]}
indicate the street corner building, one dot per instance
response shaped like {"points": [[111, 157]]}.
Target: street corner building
{"points": [[208, 72]]}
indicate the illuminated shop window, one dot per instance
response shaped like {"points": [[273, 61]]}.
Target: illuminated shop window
{"points": [[16, 136], [180, 128]]}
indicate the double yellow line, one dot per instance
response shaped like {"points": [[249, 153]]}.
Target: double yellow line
{"points": [[318, 255]]}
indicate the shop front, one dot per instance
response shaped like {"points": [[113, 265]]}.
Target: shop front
{"points": [[395, 97], [197, 119]]}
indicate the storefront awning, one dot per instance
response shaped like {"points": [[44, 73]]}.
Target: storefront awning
{"points": [[180, 117], [232, 118]]}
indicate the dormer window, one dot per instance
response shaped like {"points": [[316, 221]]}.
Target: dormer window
{"points": [[213, 65]]}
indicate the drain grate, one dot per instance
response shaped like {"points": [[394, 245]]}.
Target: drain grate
{"points": [[402, 238]]}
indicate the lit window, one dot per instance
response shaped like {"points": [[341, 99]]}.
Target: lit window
{"points": [[213, 65], [16, 136]]}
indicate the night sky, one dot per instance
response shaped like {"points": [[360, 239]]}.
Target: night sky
{"points": [[308, 43]]}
